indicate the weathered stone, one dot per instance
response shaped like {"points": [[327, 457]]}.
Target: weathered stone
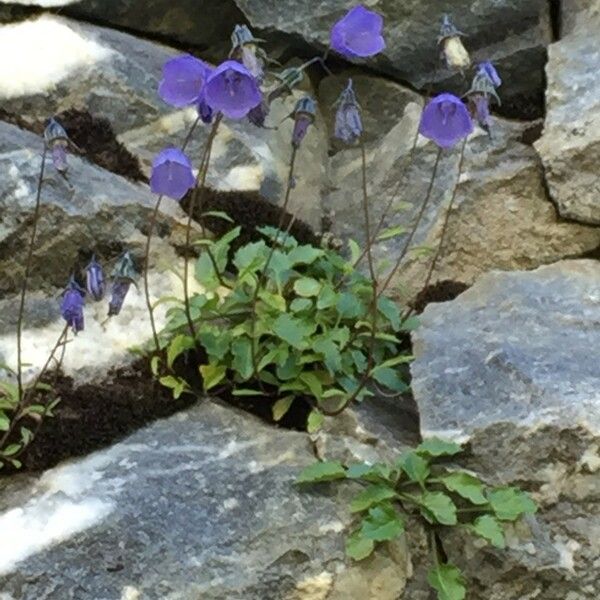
{"points": [[200, 505], [570, 144], [411, 32], [508, 365], [116, 76]]}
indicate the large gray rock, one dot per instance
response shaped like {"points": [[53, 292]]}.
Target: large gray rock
{"points": [[509, 365], [570, 145], [202, 505], [512, 33]]}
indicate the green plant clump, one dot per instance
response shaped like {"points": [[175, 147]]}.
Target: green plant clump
{"points": [[306, 333], [438, 495]]}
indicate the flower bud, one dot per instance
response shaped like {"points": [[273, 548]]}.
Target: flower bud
{"points": [[57, 140], [94, 279], [244, 47], [454, 53], [304, 116], [71, 306], [348, 122], [124, 274]]}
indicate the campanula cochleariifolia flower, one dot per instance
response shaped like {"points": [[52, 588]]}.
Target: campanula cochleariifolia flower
{"points": [[172, 174], [445, 120], [358, 34]]}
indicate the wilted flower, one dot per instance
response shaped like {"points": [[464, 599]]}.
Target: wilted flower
{"points": [[304, 117], [244, 48], [58, 141], [71, 306], [172, 174], [123, 275], [94, 279], [232, 90], [445, 120], [358, 33], [453, 51], [348, 122], [183, 79]]}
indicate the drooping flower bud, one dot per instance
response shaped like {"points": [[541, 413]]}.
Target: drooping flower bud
{"points": [[482, 92], [57, 141], [289, 79], [123, 275], [94, 279], [348, 122], [71, 306], [244, 47], [304, 116], [453, 52]]}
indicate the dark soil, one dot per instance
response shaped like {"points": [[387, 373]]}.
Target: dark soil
{"points": [[442, 291]]}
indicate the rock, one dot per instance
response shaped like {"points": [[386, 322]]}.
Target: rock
{"points": [[502, 218], [570, 144], [200, 505], [507, 366], [115, 75], [411, 32]]}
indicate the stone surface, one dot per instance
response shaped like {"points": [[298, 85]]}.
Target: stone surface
{"points": [[502, 217], [200, 505], [570, 145], [411, 32], [509, 365], [115, 75]]}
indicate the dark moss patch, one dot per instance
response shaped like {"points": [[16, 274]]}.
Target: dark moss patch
{"points": [[442, 291]]}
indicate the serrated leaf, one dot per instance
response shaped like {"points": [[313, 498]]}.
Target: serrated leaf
{"points": [[490, 529], [304, 255], [349, 306], [307, 287], [373, 473], [314, 421], [510, 503], [382, 524], [281, 407], [371, 496], [241, 348], [415, 466], [322, 471], [389, 378], [448, 582], [437, 507], [291, 330], [358, 547], [327, 297], [331, 353], [390, 310], [465, 485], [436, 447]]}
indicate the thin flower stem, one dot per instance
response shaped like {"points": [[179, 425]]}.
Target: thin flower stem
{"points": [[198, 192], [444, 226], [151, 227], [415, 226], [28, 260]]}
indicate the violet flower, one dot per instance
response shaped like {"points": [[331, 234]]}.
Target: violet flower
{"points": [[348, 122], [94, 280], [205, 112], [304, 117], [183, 79], [71, 306], [453, 52], [57, 140], [358, 34], [488, 69], [232, 90], [124, 274], [172, 174], [445, 120], [482, 92]]}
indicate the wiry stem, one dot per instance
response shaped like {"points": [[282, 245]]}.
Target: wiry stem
{"points": [[36, 214], [151, 226]]}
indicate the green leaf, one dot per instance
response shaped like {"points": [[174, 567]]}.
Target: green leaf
{"points": [[300, 304], [488, 528], [465, 485], [241, 348], [246, 392], [177, 384], [349, 306], [251, 256], [410, 324], [304, 255], [10, 450], [448, 582], [390, 310], [389, 378], [180, 343], [314, 421], [291, 330], [314, 384], [373, 473], [382, 524], [390, 233], [322, 471], [281, 407], [510, 503], [26, 436], [437, 507], [415, 466], [436, 447], [331, 354], [4, 422], [218, 214], [154, 362], [371, 496], [307, 287], [327, 297], [358, 547], [355, 251]]}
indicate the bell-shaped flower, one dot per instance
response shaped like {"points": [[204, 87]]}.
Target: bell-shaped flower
{"points": [[57, 140], [183, 79], [172, 174], [123, 275], [232, 90], [454, 53], [445, 120], [71, 306], [348, 122], [94, 279], [358, 34], [304, 116]]}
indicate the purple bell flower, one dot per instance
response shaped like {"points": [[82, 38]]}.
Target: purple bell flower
{"points": [[205, 112], [445, 120], [183, 79], [172, 174], [71, 306], [304, 117], [358, 34], [94, 280], [348, 122], [232, 90], [57, 140], [480, 108], [488, 69]]}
